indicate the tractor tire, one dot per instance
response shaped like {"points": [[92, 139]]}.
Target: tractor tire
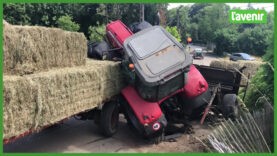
{"points": [[109, 118], [229, 106], [158, 139]]}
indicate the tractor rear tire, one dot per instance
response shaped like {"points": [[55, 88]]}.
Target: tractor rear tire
{"points": [[230, 106], [109, 119]]}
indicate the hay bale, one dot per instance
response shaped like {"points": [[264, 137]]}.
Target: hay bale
{"points": [[251, 67], [57, 94], [28, 49], [5, 23], [19, 104]]}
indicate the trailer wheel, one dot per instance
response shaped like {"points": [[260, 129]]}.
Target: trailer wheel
{"points": [[109, 118], [230, 106]]}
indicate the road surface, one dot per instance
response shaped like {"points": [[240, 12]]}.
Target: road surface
{"points": [[74, 136]]}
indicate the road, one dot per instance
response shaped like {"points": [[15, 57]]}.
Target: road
{"points": [[74, 136], [208, 58]]}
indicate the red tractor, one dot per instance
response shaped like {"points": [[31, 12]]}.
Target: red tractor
{"points": [[163, 85]]}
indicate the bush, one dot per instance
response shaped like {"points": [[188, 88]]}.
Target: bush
{"points": [[66, 23], [174, 32], [254, 41], [262, 82], [225, 40], [96, 33]]}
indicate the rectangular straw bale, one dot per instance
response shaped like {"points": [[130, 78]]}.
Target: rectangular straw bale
{"points": [[59, 94], [28, 49], [19, 107], [251, 67]]}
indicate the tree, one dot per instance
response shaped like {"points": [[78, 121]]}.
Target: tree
{"points": [[47, 14], [174, 32], [195, 8], [226, 40], [184, 28], [210, 19], [254, 41], [66, 23], [15, 13]]}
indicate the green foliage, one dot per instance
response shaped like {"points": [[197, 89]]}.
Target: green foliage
{"points": [[16, 13], [129, 12], [262, 83], [174, 32], [254, 41], [183, 25], [47, 14], [195, 8], [210, 19], [150, 12], [66, 23], [226, 40], [96, 33], [203, 22], [208, 23]]}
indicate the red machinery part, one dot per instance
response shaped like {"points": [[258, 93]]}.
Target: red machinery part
{"points": [[117, 32], [196, 83], [146, 112]]}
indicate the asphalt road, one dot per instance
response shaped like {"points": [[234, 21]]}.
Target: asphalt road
{"points": [[74, 136], [208, 58]]}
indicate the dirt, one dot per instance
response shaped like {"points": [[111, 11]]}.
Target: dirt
{"points": [[186, 143]]}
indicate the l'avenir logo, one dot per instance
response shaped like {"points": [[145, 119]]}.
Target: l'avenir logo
{"points": [[248, 16]]}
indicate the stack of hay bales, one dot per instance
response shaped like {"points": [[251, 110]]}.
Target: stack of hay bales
{"points": [[251, 67], [32, 48], [47, 78]]}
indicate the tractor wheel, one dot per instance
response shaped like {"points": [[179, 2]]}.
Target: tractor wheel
{"points": [[158, 139], [229, 106], [109, 118]]}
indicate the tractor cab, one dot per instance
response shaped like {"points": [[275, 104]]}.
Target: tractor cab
{"points": [[160, 63]]}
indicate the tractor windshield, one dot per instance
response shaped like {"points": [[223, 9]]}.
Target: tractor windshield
{"points": [[150, 43]]}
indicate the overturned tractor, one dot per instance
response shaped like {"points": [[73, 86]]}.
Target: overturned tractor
{"points": [[163, 85]]}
